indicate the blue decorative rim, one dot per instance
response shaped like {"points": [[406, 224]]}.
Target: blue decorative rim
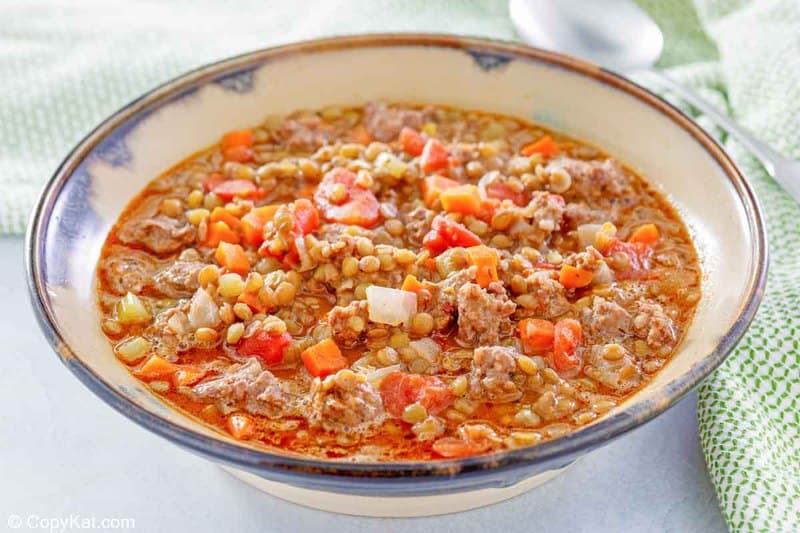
{"points": [[496, 470]]}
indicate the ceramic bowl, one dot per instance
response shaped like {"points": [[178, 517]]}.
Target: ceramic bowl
{"points": [[114, 162]]}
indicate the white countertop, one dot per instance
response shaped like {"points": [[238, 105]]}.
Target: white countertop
{"points": [[64, 453]]}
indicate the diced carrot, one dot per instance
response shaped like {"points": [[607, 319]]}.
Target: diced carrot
{"points": [[156, 368], [572, 277], [568, 337], [253, 302], [307, 192], [239, 153], [360, 135], [536, 335], [188, 376], [232, 257], [220, 232], [464, 199], [545, 146], [433, 186], [220, 214], [434, 157], [485, 260], [227, 189], [323, 358], [237, 138], [645, 234], [412, 284], [412, 141], [241, 426], [254, 221]]}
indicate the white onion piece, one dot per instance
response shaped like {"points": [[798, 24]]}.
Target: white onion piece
{"points": [[390, 306], [587, 233], [427, 348], [376, 376], [603, 275], [203, 310]]}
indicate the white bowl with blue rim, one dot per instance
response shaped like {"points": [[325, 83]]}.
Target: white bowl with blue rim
{"points": [[84, 198]]}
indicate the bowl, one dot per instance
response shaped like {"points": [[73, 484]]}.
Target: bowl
{"points": [[98, 178]]}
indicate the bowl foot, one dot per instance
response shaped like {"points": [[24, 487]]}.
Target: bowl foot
{"points": [[391, 506]]}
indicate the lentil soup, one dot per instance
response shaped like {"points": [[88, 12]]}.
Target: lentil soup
{"points": [[397, 283]]}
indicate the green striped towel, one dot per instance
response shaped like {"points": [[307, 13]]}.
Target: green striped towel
{"points": [[66, 65]]}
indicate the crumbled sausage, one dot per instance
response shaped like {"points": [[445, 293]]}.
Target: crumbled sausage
{"points": [[159, 234], [593, 179], [345, 402], [483, 314], [306, 133], [605, 319], [178, 280], [547, 298], [246, 386], [653, 325], [348, 322], [384, 123], [417, 223], [126, 269], [491, 377], [589, 259]]}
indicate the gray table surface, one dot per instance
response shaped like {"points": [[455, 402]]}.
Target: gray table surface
{"points": [[64, 453]]}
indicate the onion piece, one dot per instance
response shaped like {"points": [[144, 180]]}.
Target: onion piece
{"points": [[427, 348], [603, 275], [587, 233], [376, 376], [390, 306], [203, 310]]}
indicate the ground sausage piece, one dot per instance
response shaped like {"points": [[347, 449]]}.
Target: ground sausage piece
{"points": [[305, 134], [159, 234], [417, 223], [594, 178], [605, 319], [547, 210], [348, 322], [246, 386], [384, 123], [170, 333], [589, 259], [345, 402], [491, 376], [548, 298], [441, 302], [653, 325], [126, 270], [483, 314], [178, 280]]}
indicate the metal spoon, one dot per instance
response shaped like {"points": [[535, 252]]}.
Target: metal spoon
{"points": [[619, 35]]}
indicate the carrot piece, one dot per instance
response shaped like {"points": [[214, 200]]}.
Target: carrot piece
{"points": [[156, 368], [188, 376], [572, 277], [219, 232], [433, 186], [645, 234], [485, 260], [434, 157], [237, 138], [360, 135], [238, 153], [220, 214], [464, 199], [253, 301], [254, 221], [412, 284], [241, 426], [323, 358], [536, 334], [545, 146], [567, 338], [412, 141], [307, 192], [232, 257]]}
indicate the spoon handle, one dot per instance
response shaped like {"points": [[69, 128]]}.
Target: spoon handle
{"points": [[785, 171]]}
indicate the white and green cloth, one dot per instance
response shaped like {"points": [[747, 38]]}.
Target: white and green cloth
{"points": [[64, 66]]}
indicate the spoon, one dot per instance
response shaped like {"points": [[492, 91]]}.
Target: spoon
{"points": [[619, 35]]}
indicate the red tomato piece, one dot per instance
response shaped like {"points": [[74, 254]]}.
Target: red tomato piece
{"points": [[639, 255], [305, 217], [412, 141], [455, 447], [212, 181], [399, 390], [227, 189], [568, 337], [434, 157], [267, 347], [359, 207], [503, 191], [238, 153], [446, 233]]}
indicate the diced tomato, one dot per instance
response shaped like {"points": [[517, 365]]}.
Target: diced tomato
{"points": [[568, 336], [400, 389], [433, 186], [639, 255], [537, 335], [412, 141], [359, 208], [238, 153], [305, 217], [212, 181], [446, 233], [434, 157], [227, 189], [254, 221], [267, 347], [503, 191], [455, 447]]}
